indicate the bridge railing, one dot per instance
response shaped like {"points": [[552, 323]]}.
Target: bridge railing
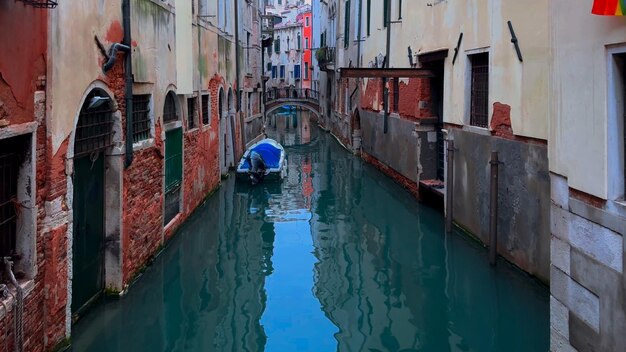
{"points": [[292, 94]]}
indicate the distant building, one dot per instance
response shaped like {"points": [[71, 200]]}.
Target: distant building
{"points": [[285, 58]]}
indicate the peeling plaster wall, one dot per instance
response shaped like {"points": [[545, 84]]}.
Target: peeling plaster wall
{"points": [[523, 86], [580, 92], [588, 213], [75, 61]]}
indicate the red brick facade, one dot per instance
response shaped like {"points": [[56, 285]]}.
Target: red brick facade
{"points": [[47, 297]]}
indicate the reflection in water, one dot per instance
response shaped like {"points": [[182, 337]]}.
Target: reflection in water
{"points": [[336, 257]]}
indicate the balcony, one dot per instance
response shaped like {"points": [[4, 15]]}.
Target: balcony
{"points": [[326, 58]]}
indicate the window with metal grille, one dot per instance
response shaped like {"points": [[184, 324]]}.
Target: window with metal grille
{"points": [[94, 131], [191, 113], [206, 117], [396, 94], [12, 152], [141, 117], [480, 90], [169, 110]]}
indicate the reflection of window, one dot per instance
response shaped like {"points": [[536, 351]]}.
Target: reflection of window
{"points": [[169, 109], [249, 104], [346, 27], [385, 12], [369, 16], [141, 117], [307, 21]]}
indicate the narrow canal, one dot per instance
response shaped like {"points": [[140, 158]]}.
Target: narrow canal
{"points": [[335, 258]]}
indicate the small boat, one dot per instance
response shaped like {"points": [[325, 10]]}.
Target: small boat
{"points": [[273, 155]]}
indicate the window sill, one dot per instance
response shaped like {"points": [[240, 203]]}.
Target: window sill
{"points": [[8, 303], [478, 130], [145, 144]]}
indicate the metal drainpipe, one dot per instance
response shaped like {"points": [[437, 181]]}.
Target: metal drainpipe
{"points": [[387, 65], [237, 52], [128, 70], [19, 306]]}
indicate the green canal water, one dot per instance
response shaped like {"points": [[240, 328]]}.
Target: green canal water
{"points": [[337, 257]]}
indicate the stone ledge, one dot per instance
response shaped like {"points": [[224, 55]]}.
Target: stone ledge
{"points": [[611, 221]]}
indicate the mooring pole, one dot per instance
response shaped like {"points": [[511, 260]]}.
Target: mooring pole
{"points": [[449, 185], [493, 210]]}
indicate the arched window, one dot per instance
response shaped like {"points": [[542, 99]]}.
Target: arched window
{"points": [[94, 131], [170, 113]]}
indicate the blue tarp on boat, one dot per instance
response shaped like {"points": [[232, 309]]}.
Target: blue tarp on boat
{"points": [[270, 155], [273, 155]]}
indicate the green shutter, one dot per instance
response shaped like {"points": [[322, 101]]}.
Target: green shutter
{"points": [[173, 159], [346, 37]]}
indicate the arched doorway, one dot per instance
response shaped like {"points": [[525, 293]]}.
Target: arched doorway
{"points": [[227, 131], [223, 112], [173, 158], [94, 136], [357, 134]]}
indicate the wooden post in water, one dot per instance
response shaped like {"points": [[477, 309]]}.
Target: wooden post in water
{"points": [[449, 185], [493, 210]]}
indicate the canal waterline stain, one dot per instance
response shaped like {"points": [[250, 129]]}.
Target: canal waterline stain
{"points": [[336, 257]]}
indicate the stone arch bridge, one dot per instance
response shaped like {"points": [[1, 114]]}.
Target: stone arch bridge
{"points": [[305, 98]]}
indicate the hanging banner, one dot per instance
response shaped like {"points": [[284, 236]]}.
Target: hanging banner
{"points": [[609, 7]]}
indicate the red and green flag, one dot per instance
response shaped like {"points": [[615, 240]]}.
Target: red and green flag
{"points": [[609, 7]]}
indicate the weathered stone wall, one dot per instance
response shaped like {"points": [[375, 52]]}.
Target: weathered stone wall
{"points": [[588, 286], [523, 203], [398, 148]]}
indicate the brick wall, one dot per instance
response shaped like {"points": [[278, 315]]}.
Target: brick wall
{"points": [[143, 208]]}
